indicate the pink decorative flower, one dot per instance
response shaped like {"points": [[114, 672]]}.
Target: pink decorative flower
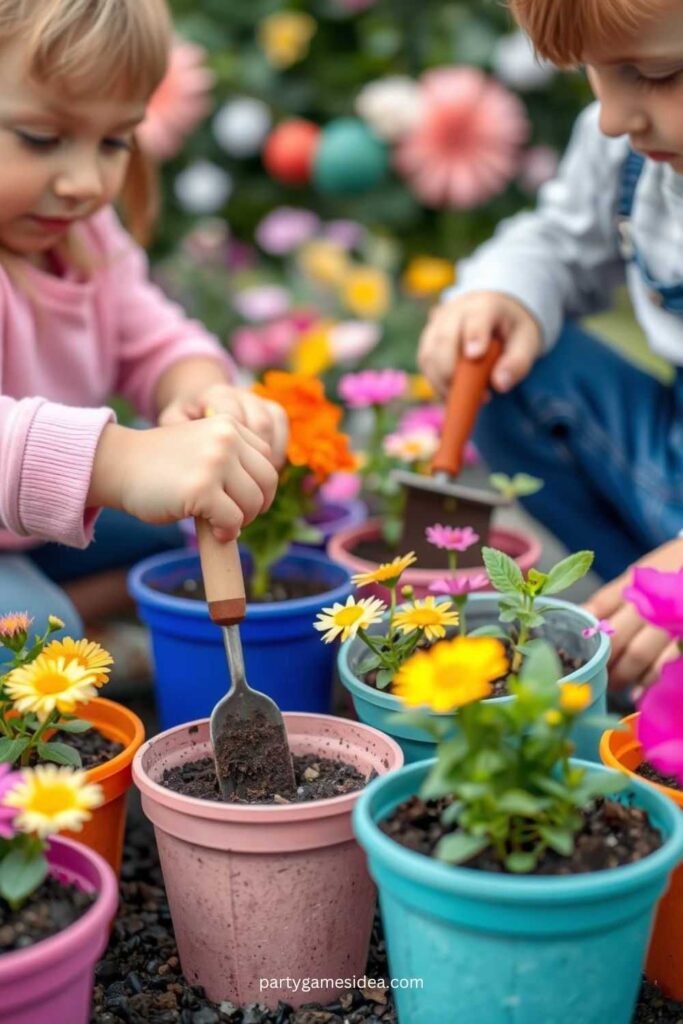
{"points": [[8, 779], [181, 102], [456, 586], [373, 387], [14, 623], [284, 229], [658, 597], [411, 445], [349, 234], [261, 348], [467, 145], [603, 626], [471, 456], [423, 417], [341, 487], [350, 340], [261, 302], [660, 724], [451, 538]]}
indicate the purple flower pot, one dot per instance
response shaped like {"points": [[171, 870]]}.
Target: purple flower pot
{"points": [[52, 982]]}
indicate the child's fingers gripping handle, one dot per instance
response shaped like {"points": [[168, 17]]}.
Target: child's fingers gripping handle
{"points": [[223, 579], [465, 395]]}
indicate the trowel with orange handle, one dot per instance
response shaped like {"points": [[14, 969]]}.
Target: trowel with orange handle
{"points": [[437, 498], [251, 752]]}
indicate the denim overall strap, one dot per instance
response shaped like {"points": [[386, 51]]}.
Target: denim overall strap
{"points": [[668, 296]]}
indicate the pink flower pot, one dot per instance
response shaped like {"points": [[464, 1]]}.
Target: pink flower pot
{"points": [[523, 547], [52, 982], [264, 893]]}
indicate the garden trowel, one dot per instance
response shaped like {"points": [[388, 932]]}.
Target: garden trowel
{"points": [[434, 499], [251, 752]]}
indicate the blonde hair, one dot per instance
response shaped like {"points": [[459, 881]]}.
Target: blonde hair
{"points": [[561, 29], [114, 48]]}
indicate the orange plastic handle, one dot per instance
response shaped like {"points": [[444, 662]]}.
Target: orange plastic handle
{"points": [[470, 380]]}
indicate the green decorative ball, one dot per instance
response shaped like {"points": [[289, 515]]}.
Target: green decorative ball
{"points": [[350, 158]]}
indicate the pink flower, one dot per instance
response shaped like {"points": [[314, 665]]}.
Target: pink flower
{"points": [[423, 417], [466, 146], [349, 234], [372, 387], [452, 538], [261, 348], [208, 242], [181, 102], [603, 626], [261, 302], [350, 340], [471, 455], [658, 597], [456, 586], [341, 487], [284, 229], [8, 779], [14, 623], [660, 725]]}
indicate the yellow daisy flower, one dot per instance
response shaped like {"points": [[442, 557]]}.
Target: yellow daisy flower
{"points": [[51, 798], [54, 622], [348, 618], [575, 697], [323, 261], [451, 674], [285, 37], [428, 275], [312, 353], [420, 389], [366, 292], [553, 717], [427, 615], [49, 683], [86, 653], [388, 573]]}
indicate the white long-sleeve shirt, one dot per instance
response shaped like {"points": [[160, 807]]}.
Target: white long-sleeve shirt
{"points": [[563, 258]]}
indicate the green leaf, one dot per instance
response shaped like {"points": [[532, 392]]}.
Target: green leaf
{"points": [[503, 571], [541, 663], [492, 630], [12, 749], [603, 784], [304, 533], [59, 753], [367, 664], [525, 484], [521, 863], [517, 801], [20, 874], [416, 720], [459, 847], [384, 678], [568, 571], [437, 784], [450, 814], [558, 839], [73, 725]]}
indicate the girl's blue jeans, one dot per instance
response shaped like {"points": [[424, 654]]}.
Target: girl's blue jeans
{"points": [[607, 440], [30, 581]]}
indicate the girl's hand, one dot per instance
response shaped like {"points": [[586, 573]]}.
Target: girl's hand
{"points": [[214, 468], [638, 649], [469, 322], [266, 419]]}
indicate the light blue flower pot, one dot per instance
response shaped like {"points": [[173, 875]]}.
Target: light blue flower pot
{"points": [[563, 628], [507, 949]]}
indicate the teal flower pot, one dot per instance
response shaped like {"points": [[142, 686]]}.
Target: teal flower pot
{"points": [[509, 949], [563, 628]]}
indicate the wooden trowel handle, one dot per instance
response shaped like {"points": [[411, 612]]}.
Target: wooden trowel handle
{"points": [[223, 579], [465, 396]]}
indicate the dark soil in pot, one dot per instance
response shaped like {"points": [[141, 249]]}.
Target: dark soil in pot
{"points": [[50, 909], [281, 589], [94, 748], [377, 551], [317, 778], [654, 1008], [613, 834], [649, 772]]}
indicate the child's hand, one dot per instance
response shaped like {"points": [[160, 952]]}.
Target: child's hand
{"points": [[266, 419], [469, 322], [638, 649], [214, 468]]}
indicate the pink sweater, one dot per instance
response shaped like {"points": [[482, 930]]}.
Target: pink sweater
{"points": [[66, 346]]}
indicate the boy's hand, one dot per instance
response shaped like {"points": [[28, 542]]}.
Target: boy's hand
{"points": [[638, 649], [266, 419], [215, 468], [469, 322]]}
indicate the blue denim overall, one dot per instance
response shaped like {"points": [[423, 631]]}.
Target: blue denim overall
{"points": [[606, 437]]}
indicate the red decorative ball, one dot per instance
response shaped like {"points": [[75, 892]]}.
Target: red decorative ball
{"points": [[289, 151]]}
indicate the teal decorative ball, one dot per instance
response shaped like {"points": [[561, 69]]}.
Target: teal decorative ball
{"points": [[350, 158]]}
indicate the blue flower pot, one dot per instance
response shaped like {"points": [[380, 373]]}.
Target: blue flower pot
{"points": [[563, 628], [509, 949], [283, 654]]}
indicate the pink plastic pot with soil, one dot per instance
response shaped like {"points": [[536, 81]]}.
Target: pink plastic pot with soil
{"points": [[265, 892], [361, 549]]}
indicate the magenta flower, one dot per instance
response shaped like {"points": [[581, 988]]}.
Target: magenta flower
{"points": [[456, 586], [347, 233], [603, 626], [284, 229], [261, 348], [262, 302], [451, 538], [341, 487], [660, 724], [372, 387], [658, 597], [423, 417], [8, 779]]}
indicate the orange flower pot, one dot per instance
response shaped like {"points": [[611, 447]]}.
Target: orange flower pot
{"points": [[664, 967], [104, 832]]}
